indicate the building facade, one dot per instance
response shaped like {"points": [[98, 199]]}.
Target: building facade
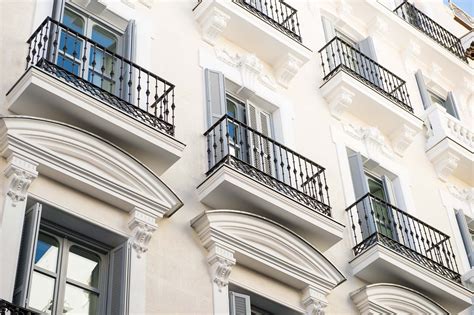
{"points": [[236, 157]]}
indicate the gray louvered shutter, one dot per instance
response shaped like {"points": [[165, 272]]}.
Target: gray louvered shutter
{"points": [[466, 236], [361, 188], [117, 303], [265, 128], [215, 95], [239, 304], [128, 52], [29, 239], [58, 10], [425, 96], [367, 47], [328, 27], [450, 105]]}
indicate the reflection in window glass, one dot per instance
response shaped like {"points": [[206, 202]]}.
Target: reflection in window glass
{"points": [[83, 266], [41, 293], [46, 255], [79, 301]]}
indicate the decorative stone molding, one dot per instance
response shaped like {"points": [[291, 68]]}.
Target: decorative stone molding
{"points": [[227, 57], [19, 172], [142, 225], [250, 69], [213, 24], [340, 102], [463, 194], [373, 139], [221, 261], [287, 68], [444, 164], [314, 301], [402, 138]]}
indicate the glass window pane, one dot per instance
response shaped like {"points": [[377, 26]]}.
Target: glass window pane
{"points": [[83, 266], [73, 21], [104, 38], [41, 293], [46, 255], [79, 301]]}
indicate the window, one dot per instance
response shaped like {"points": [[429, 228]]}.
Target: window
{"points": [[443, 101], [245, 302], [61, 271], [97, 66]]}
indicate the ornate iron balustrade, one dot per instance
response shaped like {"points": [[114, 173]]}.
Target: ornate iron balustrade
{"points": [[102, 74], [250, 152], [277, 13], [337, 55], [7, 308], [374, 221], [424, 23]]}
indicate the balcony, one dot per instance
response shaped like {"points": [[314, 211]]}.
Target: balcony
{"points": [[355, 84], [449, 145], [425, 24], [73, 79], [395, 247], [247, 170], [249, 23], [7, 308]]}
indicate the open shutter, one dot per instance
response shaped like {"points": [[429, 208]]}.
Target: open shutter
{"points": [[129, 37], [361, 188], [466, 236], [425, 96], [267, 146], [388, 187], [128, 52], [367, 47], [29, 238], [392, 200], [450, 105], [58, 9], [117, 302], [239, 304], [254, 139], [215, 95], [328, 27]]}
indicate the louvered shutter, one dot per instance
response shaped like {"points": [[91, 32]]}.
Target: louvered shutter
{"points": [[239, 304], [425, 96], [265, 129], [215, 95], [29, 239], [450, 105], [328, 27], [466, 236], [119, 272], [361, 188], [127, 72], [369, 70], [367, 47], [391, 199]]}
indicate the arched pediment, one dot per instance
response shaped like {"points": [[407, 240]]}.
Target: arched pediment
{"points": [[387, 298], [267, 247], [88, 163]]}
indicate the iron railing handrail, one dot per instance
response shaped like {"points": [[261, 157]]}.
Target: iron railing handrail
{"points": [[97, 45], [15, 309], [235, 121], [395, 208], [455, 40]]}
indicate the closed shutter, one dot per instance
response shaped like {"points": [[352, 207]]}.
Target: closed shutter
{"points": [[127, 71], [119, 270], [450, 105], [466, 236], [215, 95], [29, 238], [361, 188], [328, 27], [425, 96], [239, 304]]}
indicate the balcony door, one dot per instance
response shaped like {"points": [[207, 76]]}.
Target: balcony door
{"points": [[87, 59]]}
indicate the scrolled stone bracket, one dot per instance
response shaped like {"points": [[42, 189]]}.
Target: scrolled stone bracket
{"points": [[221, 261], [314, 301], [143, 226], [20, 173]]}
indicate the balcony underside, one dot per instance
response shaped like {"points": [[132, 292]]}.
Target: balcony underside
{"points": [[346, 93], [237, 185], [390, 262], [47, 91]]}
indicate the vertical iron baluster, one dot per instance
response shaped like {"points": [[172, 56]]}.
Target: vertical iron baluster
{"points": [[55, 43], [288, 167], [147, 92], [28, 57], [326, 189], [74, 54], [173, 106], [94, 52], [84, 59], [139, 87]]}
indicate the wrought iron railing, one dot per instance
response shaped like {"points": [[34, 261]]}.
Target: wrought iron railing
{"points": [[337, 55], [276, 12], [7, 308], [235, 144], [424, 23], [102, 74], [374, 221]]}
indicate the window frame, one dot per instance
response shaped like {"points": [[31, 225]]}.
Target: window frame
{"points": [[66, 240]]}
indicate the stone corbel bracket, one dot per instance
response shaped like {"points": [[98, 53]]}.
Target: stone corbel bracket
{"points": [[20, 173], [221, 261], [212, 24], [444, 163], [402, 138], [340, 102], [314, 301], [143, 226], [287, 68]]}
